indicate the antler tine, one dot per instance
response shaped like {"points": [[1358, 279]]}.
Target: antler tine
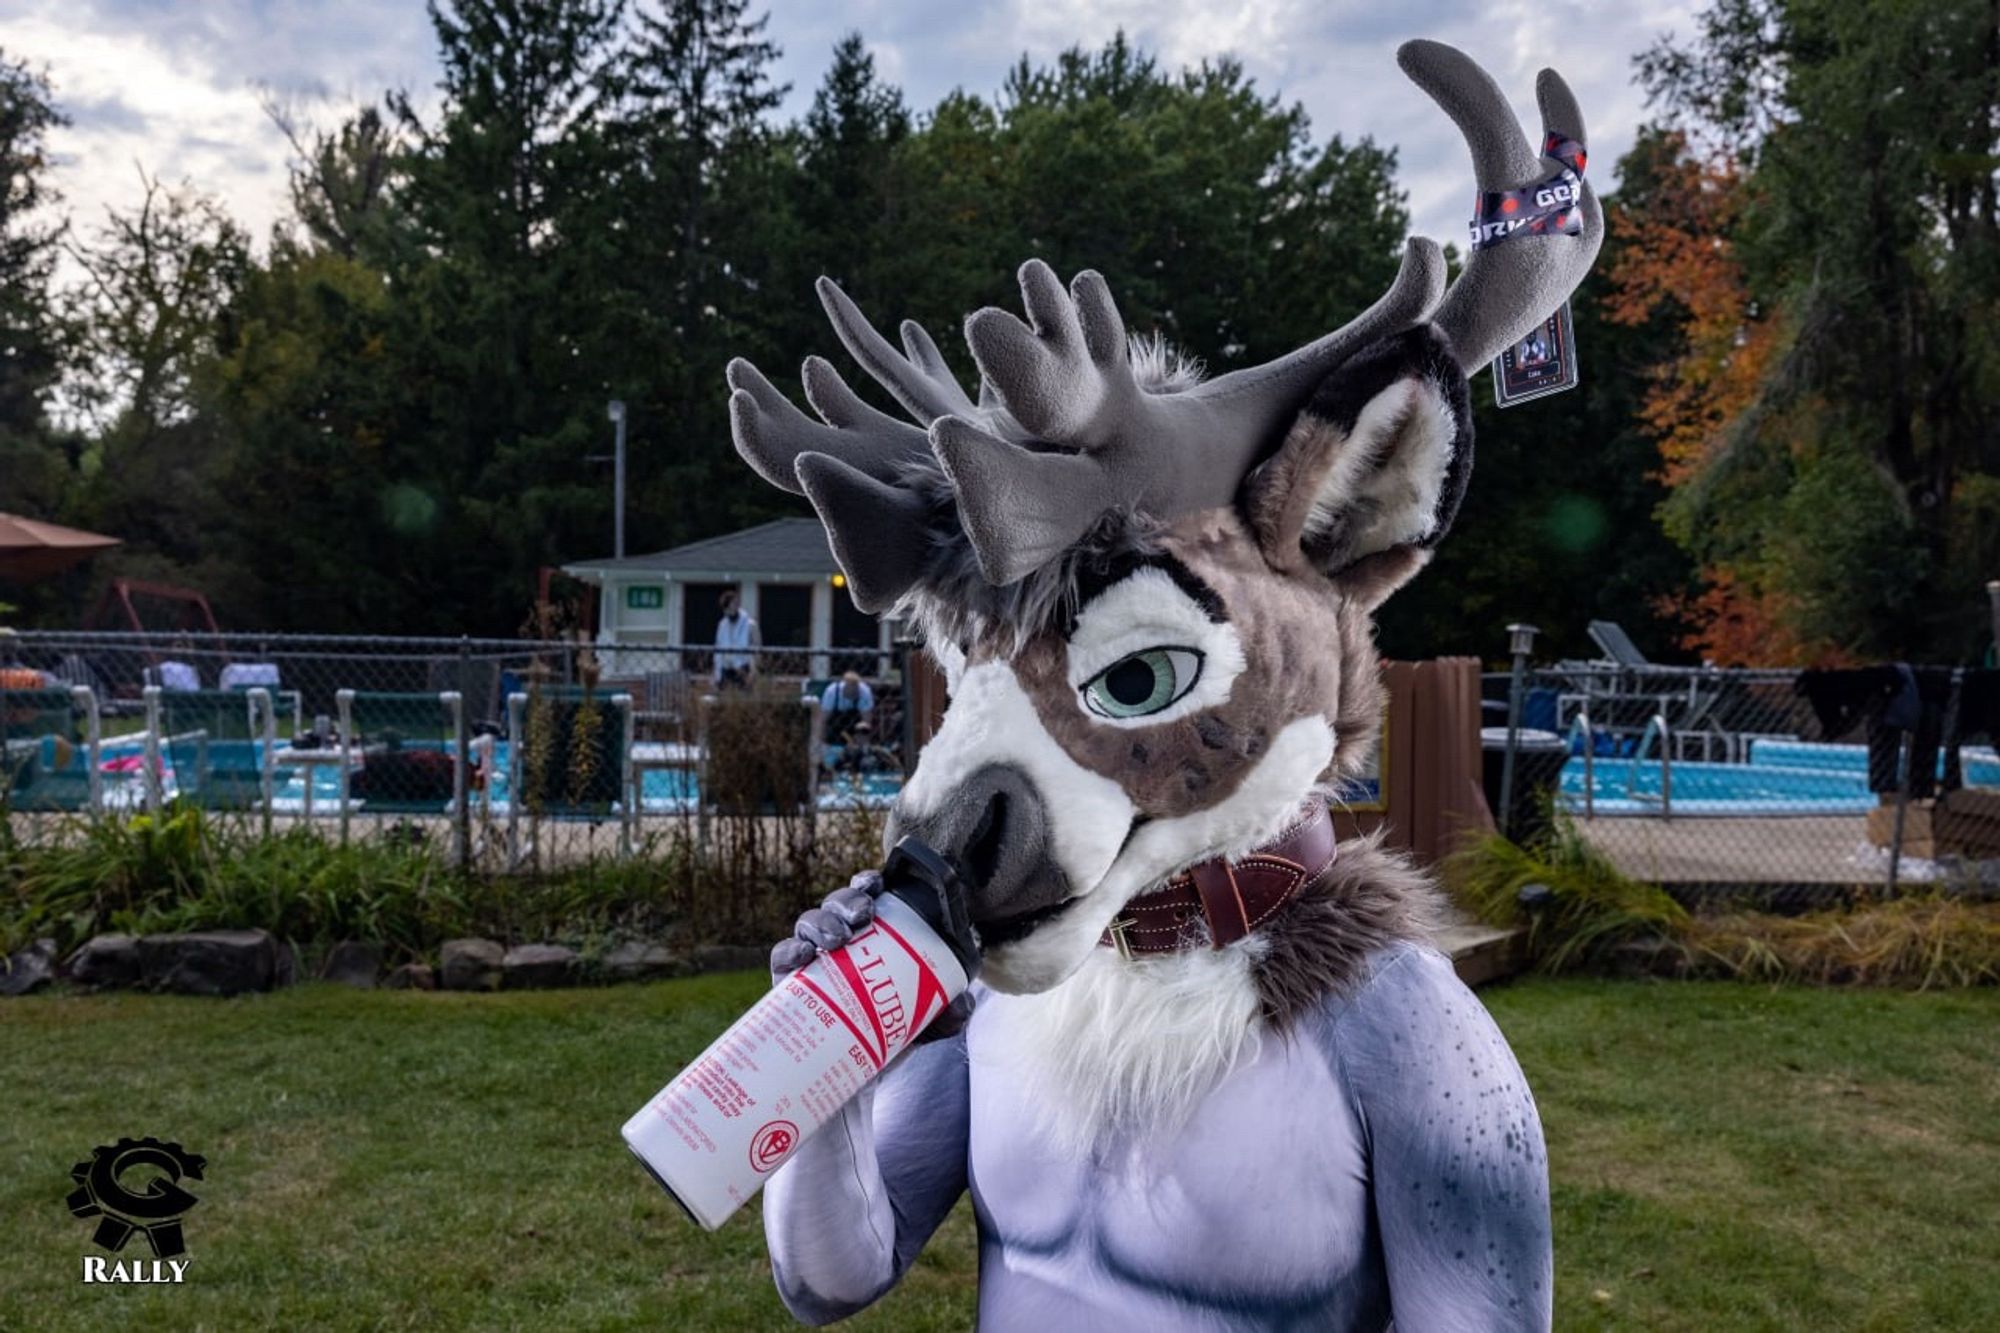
{"points": [[918, 379], [876, 530], [771, 434], [1020, 509], [1507, 289], [1063, 375], [1501, 158]]}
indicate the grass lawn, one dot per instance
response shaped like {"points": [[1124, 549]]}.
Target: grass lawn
{"points": [[1724, 1157]]}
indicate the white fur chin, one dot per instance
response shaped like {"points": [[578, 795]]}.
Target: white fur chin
{"points": [[1126, 1048]]}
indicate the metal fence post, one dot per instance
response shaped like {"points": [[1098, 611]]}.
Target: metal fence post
{"points": [[1902, 810], [463, 742], [1521, 640]]}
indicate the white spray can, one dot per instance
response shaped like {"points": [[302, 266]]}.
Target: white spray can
{"points": [[714, 1135]]}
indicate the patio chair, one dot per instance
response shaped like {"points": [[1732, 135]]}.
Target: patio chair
{"points": [[759, 757], [50, 750], [401, 753], [221, 746], [569, 757], [1616, 644]]}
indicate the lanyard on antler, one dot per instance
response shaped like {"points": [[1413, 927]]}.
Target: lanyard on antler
{"points": [[1548, 206], [1543, 362]]}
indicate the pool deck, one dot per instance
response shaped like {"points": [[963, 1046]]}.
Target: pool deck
{"points": [[1792, 849]]}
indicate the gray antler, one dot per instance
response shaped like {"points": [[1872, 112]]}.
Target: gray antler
{"points": [[1506, 290], [1066, 378], [1064, 430]]}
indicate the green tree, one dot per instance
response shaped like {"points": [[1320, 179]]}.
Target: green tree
{"points": [[151, 310], [498, 330], [712, 180], [32, 467], [1858, 487], [853, 207]]}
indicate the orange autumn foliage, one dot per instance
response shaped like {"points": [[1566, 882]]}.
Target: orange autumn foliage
{"points": [[1737, 625], [1676, 254]]}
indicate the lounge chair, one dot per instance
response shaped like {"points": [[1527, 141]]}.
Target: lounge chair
{"points": [[220, 744], [50, 742], [758, 757], [401, 753], [569, 757]]}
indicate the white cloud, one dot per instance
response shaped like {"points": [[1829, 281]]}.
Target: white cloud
{"points": [[175, 86]]}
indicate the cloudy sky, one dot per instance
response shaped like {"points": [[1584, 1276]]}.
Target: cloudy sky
{"points": [[174, 86]]}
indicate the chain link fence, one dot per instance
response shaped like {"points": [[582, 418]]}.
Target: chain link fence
{"points": [[508, 755], [1788, 787], [513, 755]]}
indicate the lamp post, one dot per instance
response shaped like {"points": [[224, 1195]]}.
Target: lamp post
{"points": [[1521, 641], [615, 409], [1993, 596]]}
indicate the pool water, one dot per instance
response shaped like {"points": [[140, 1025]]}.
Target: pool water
{"points": [[1783, 777], [662, 791]]}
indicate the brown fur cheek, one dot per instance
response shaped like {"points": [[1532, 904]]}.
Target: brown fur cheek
{"points": [[1171, 769], [1296, 654]]}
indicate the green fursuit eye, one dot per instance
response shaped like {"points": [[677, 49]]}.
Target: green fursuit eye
{"points": [[1143, 683]]}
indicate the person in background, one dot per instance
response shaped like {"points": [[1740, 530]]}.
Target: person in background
{"points": [[736, 630], [844, 703], [862, 755]]}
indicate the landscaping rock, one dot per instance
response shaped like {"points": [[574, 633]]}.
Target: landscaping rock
{"points": [[352, 963], [538, 967], [640, 960], [470, 964], [106, 960], [209, 962], [412, 976], [731, 958], [29, 969]]}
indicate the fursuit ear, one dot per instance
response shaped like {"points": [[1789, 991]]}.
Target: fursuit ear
{"points": [[1370, 475]]}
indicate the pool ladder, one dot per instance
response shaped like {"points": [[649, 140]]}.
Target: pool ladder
{"points": [[1656, 727], [1582, 720]]}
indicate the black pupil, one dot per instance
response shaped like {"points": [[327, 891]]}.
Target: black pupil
{"points": [[1130, 682]]}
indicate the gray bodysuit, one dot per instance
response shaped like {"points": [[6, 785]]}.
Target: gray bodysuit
{"points": [[1383, 1161]]}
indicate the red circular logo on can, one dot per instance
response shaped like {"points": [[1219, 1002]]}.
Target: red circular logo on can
{"points": [[773, 1141]]}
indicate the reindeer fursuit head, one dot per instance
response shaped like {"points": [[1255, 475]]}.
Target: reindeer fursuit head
{"points": [[1151, 594]]}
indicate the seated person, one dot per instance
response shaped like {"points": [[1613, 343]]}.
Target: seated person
{"points": [[845, 703], [861, 754]]}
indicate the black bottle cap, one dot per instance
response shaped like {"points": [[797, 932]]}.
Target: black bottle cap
{"points": [[929, 882]]}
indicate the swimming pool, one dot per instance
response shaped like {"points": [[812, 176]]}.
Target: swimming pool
{"points": [[1782, 777], [663, 791]]}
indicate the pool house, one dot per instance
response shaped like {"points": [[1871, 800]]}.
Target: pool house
{"points": [[783, 571]]}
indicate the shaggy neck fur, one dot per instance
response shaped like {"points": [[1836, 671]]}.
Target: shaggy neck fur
{"points": [[1127, 1048]]}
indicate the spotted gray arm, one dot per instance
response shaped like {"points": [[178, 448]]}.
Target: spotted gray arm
{"points": [[1457, 1167], [847, 1215]]}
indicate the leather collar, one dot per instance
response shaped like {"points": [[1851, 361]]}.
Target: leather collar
{"points": [[1233, 899]]}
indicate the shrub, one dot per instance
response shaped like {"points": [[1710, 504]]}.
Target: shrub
{"points": [[1589, 908], [1918, 942], [185, 870]]}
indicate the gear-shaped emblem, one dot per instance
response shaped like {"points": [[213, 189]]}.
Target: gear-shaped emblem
{"points": [[154, 1212]]}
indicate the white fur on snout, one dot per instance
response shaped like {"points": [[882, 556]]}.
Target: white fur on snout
{"points": [[992, 721], [1260, 807]]}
